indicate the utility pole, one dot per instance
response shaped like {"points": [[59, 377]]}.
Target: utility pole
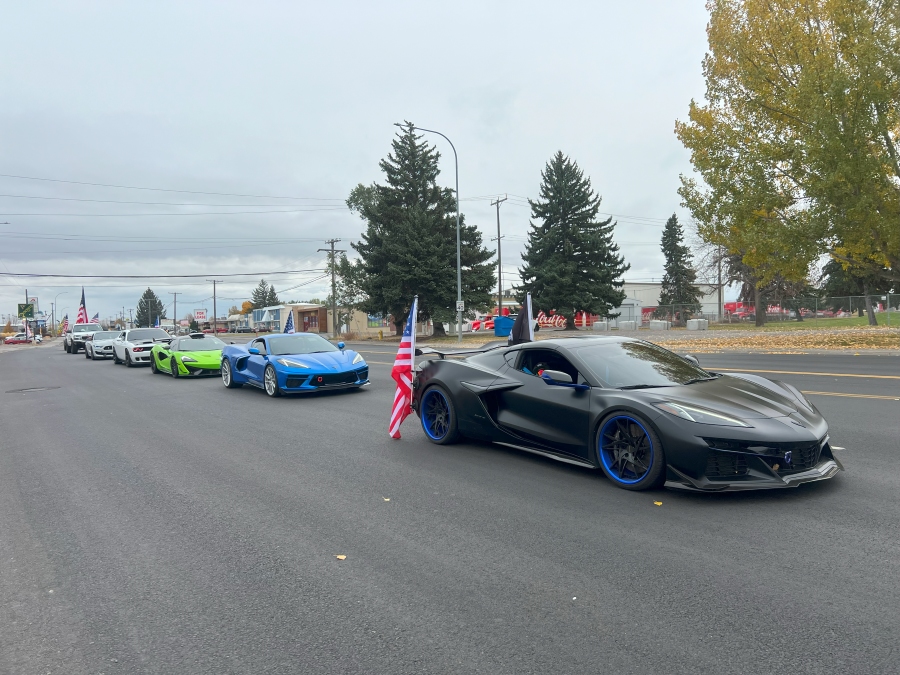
{"points": [[331, 252], [175, 312], [499, 259], [215, 323], [721, 311], [130, 316]]}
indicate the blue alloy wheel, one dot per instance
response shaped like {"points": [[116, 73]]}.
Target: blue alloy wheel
{"points": [[438, 419], [626, 450]]}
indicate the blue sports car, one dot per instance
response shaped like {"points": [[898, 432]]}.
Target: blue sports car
{"points": [[293, 364]]}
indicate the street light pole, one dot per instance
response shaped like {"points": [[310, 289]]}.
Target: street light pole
{"points": [[331, 252], [54, 310], [499, 259], [459, 311]]}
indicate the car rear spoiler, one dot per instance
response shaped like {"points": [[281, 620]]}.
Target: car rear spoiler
{"points": [[443, 353]]}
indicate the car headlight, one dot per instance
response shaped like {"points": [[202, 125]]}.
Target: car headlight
{"points": [[358, 358], [700, 415], [292, 364], [188, 359]]}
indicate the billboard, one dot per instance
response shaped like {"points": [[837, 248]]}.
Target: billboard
{"points": [[199, 315], [34, 301]]}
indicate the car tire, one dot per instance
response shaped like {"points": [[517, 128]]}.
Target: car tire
{"points": [[153, 368], [65, 346], [629, 451], [270, 382], [128, 363], [173, 368], [438, 416], [228, 376], [86, 355]]}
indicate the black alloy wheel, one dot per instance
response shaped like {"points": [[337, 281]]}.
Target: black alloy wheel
{"points": [[115, 357], [153, 368], [438, 416], [629, 452], [173, 367], [128, 363], [86, 355]]}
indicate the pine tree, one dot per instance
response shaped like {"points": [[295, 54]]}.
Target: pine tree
{"points": [[678, 281], [149, 308], [260, 295], [272, 297], [409, 247], [571, 262]]}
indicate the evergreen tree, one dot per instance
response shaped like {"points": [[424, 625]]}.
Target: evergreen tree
{"points": [[678, 281], [409, 247], [260, 295], [149, 308], [272, 297], [571, 262]]}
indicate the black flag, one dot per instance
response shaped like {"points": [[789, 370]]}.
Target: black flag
{"points": [[523, 328]]}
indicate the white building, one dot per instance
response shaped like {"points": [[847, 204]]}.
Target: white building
{"points": [[646, 295]]}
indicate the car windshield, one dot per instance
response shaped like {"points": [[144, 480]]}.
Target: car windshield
{"points": [[207, 343], [300, 343], [141, 334], [85, 327], [638, 364], [105, 335]]}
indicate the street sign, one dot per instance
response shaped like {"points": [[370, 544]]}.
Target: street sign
{"points": [[460, 305], [199, 315], [26, 310]]}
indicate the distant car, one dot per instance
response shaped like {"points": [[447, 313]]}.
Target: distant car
{"points": [[293, 363], [243, 329], [193, 356], [132, 347], [17, 339], [220, 329], [100, 345]]}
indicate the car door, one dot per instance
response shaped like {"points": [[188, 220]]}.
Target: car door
{"points": [[542, 413], [166, 355], [119, 346], [256, 364]]}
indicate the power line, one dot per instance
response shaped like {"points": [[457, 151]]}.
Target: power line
{"points": [[117, 201], [161, 215], [152, 189], [152, 276]]}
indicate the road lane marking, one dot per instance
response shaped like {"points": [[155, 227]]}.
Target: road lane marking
{"points": [[800, 372], [836, 393]]}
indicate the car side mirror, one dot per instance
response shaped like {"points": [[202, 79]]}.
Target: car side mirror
{"points": [[231, 343], [692, 359], [556, 377], [253, 350], [341, 346]]}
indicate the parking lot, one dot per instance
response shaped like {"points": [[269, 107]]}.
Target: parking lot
{"points": [[176, 526]]}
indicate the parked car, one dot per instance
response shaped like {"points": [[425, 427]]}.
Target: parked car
{"points": [[100, 345], [243, 329], [77, 335], [220, 329], [17, 339]]}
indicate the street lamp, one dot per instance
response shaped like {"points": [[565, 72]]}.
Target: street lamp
{"points": [[459, 311], [53, 304]]}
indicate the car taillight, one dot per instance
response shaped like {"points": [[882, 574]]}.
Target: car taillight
{"points": [[137, 349]]}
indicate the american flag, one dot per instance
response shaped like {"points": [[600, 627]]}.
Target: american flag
{"points": [[82, 310], [402, 372], [96, 318], [64, 326]]}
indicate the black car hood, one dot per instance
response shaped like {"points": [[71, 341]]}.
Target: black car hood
{"points": [[742, 395]]}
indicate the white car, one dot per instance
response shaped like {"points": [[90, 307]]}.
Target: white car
{"points": [[133, 346], [100, 344]]}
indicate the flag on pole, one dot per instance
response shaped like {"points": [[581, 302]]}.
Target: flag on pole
{"points": [[156, 325], [402, 372], [28, 333], [96, 318], [523, 328], [82, 310], [64, 326], [289, 324]]}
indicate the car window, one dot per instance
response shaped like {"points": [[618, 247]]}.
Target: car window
{"points": [[533, 361], [260, 345], [121, 336]]}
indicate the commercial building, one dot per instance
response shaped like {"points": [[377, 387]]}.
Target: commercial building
{"points": [[307, 318]]}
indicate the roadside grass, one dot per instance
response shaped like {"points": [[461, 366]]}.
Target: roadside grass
{"points": [[811, 323], [788, 342]]}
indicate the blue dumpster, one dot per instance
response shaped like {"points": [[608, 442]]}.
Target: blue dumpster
{"points": [[503, 326]]}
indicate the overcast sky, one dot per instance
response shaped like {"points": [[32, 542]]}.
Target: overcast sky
{"points": [[294, 104]]}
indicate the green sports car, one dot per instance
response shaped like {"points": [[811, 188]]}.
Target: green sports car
{"points": [[193, 356]]}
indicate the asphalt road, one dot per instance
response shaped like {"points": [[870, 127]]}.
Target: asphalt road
{"points": [[161, 526]]}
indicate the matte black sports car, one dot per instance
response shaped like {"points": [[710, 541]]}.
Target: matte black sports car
{"points": [[642, 414]]}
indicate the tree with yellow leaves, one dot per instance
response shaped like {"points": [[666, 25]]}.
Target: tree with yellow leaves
{"points": [[797, 141]]}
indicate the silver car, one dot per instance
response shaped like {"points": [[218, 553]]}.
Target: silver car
{"points": [[99, 345], [132, 347]]}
